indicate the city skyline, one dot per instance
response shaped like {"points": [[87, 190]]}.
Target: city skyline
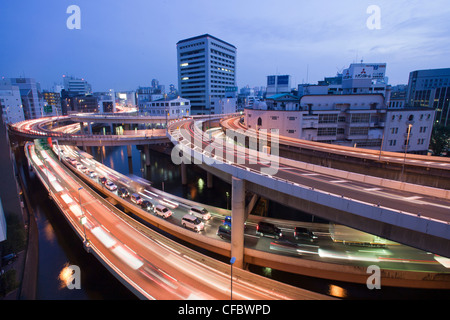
{"points": [[125, 45]]}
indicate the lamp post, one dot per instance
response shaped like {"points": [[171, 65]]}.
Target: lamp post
{"points": [[406, 148], [228, 199], [232, 261]]}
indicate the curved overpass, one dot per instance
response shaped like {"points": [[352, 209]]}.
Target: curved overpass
{"points": [[150, 265], [419, 169], [417, 219]]}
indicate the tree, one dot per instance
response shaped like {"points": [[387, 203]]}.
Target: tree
{"points": [[440, 139]]}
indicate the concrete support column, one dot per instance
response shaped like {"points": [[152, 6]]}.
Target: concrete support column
{"points": [[129, 151], [147, 155], [237, 220], [82, 127], [90, 128], [209, 180], [183, 174]]}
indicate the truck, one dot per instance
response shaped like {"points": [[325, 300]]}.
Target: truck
{"points": [[349, 236]]}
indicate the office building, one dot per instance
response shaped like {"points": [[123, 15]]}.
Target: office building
{"points": [[358, 120], [32, 99], [431, 88], [170, 108], [206, 68], [53, 100], [10, 103], [277, 84], [76, 86]]}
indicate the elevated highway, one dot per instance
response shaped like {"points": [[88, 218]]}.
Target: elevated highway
{"points": [[150, 265], [417, 169], [418, 217]]}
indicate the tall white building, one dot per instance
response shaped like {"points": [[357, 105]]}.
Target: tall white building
{"points": [[32, 99], [206, 68], [10, 103]]}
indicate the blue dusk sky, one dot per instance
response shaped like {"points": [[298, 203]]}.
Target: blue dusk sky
{"points": [[125, 44]]}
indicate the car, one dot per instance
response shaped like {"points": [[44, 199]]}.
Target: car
{"points": [[110, 185], [83, 169], [162, 211], [268, 229], [123, 192], [191, 222], [102, 179], [227, 221], [92, 173], [304, 234], [79, 165], [224, 231], [147, 205], [200, 212], [136, 198]]}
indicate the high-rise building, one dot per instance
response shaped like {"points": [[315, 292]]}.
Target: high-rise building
{"points": [[32, 99], [10, 103], [431, 88], [206, 68]]}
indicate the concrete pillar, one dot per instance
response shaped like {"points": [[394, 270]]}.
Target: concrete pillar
{"points": [[147, 155], [209, 180], [82, 127], [237, 221], [129, 151], [90, 128], [183, 174]]}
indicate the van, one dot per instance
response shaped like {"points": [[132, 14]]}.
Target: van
{"points": [[268, 230], [194, 223], [304, 234], [136, 198], [200, 212], [162, 211]]}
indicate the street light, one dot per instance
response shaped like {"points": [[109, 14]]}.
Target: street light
{"points": [[228, 199], [232, 261], [406, 148]]}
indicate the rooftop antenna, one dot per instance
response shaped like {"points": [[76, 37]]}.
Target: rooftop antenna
{"points": [[307, 73]]}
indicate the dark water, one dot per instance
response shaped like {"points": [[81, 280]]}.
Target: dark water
{"points": [[59, 246]]}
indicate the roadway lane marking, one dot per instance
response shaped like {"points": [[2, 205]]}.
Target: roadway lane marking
{"points": [[338, 181], [442, 260], [412, 198], [372, 189], [309, 174]]}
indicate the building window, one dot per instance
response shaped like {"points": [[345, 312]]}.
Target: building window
{"points": [[357, 131], [326, 132], [328, 118], [360, 118]]}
